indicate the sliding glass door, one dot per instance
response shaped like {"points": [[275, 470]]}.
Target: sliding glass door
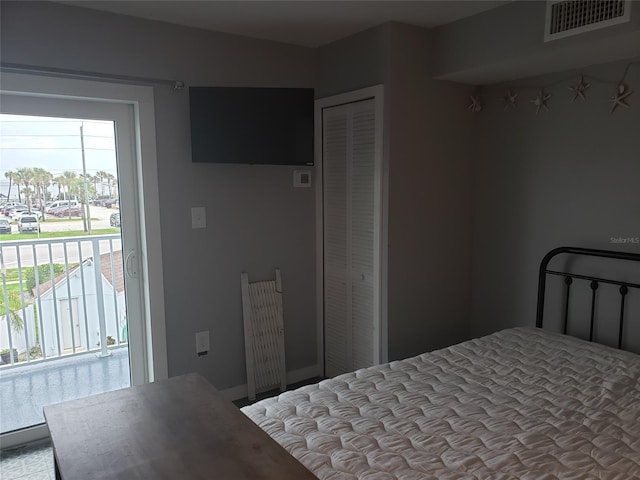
{"points": [[71, 303]]}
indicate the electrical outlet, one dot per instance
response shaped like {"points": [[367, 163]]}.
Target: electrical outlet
{"points": [[198, 217], [202, 342]]}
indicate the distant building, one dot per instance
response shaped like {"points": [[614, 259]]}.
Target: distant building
{"points": [[67, 308]]}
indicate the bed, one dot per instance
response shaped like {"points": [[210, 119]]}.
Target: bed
{"points": [[522, 403]]}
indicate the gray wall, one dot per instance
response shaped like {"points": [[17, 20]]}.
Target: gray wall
{"points": [[508, 43], [569, 176], [256, 220], [429, 150], [358, 61], [474, 200], [430, 155]]}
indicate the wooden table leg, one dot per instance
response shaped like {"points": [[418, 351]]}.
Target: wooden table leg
{"points": [[55, 466]]}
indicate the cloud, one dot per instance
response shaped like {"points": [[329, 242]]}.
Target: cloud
{"points": [[54, 144]]}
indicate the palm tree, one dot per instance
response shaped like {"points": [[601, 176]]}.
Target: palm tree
{"points": [[25, 175], [68, 180], [95, 180], [110, 180], [59, 181], [101, 175], [91, 189], [27, 195], [81, 186], [41, 179], [76, 187], [11, 175], [15, 305]]}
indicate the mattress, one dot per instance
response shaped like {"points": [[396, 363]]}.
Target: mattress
{"points": [[522, 403]]}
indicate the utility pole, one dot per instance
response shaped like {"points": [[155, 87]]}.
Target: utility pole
{"points": [[86, 212]]}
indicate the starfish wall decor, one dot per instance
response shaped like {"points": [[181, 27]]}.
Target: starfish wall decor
{"points": [[541, 101], [509, 100], [475, 105], [618, 100], [579, 89]]}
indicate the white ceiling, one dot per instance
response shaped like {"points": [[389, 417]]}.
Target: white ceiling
{"points": [[308, 23]]}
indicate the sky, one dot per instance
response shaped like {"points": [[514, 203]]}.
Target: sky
{"points": [[54, 144]]}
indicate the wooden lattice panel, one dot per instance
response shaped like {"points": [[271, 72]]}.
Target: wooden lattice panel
{"points": [[263, 334]]}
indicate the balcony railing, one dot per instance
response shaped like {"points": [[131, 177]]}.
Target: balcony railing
{"points": [[61, 297]]}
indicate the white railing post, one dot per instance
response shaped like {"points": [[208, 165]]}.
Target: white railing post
{"points": [[24, 310], [36, 273], [84, 298], [22, 254], [69, 298], [114, 289], [97, 269], [7, 316], [52, 277]]}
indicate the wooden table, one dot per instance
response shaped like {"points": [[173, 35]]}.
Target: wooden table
{"points": [[179, 428]]}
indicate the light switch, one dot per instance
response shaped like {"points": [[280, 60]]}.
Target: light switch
{"points": [[202, 342], [198, 217]]}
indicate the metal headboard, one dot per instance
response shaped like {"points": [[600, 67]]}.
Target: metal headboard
{"points": [[595, 282]]}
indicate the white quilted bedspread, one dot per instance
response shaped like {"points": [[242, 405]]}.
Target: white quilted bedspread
{"points": [[519, 404]]}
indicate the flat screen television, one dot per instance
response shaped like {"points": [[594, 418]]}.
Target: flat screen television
{"points": [[261, 126]]}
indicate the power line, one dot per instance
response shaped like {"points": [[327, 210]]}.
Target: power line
{"points": [[57, 148], [52, 120], [5, 135]]}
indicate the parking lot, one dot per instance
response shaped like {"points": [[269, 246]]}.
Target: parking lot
{"points": [[99, 220], [64, 250]]}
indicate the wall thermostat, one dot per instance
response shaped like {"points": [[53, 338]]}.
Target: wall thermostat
{"points": [[301, 178]]}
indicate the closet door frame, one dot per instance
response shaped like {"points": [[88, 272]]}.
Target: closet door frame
{"points": [[380, 223]]}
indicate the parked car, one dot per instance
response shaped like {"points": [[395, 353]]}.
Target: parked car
{"points": [[9, 205], [16, 214], [103, 201], [68, 211], [114, 220], [28, 223], [8, 210], [5, 226], [59, 204], [52, 211]]}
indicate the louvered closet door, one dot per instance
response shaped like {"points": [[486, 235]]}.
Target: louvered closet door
{"points": [[362, 180], [336, 278], [349, 176]]}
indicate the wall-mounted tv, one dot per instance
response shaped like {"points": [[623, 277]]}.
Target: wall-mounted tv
{"points": [[261, 126]]}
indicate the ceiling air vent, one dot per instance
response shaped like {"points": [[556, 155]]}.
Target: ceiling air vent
{"points": [[571, 17]]}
